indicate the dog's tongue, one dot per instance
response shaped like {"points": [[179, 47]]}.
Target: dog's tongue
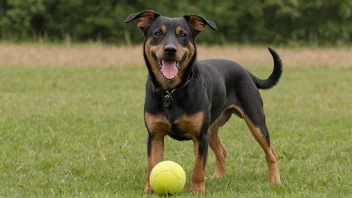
{"points": [[169, 69]]}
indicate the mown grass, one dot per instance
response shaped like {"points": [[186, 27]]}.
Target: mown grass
{"points": [[79, 132]]}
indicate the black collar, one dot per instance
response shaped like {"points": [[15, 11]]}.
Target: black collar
{"points": [[167, 93]]}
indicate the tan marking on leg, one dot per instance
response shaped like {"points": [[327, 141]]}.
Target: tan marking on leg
{"points": [[156, 156], [158, 126], [217, 146], [191, 126], [270, 155], [198, 173], [220, 155]]}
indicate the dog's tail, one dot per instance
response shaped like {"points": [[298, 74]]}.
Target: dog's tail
{"points": [[275, 75]]}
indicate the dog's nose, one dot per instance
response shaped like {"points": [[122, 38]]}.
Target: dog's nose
{"points": [[170, 49]]}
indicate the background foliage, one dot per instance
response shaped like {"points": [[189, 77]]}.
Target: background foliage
{"points": [[265, 21]]}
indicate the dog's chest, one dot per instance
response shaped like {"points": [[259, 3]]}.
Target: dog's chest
{"points": [[185, 127]]}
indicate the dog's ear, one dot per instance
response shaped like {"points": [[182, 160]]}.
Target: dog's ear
{"points": [[145, 19], [197, 22]]}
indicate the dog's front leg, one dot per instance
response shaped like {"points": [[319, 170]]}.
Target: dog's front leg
{"points": [[200, 144], [155, 149], [157, 126]]}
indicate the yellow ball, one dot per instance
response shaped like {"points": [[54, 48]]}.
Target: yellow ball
{"points": [[167, 177]]}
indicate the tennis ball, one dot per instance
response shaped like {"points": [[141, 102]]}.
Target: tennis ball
{"points": [[167, 177]]}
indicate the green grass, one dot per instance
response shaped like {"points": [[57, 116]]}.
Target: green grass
{"points": [[79, 132]]}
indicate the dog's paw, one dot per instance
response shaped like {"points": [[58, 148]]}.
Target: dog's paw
{"points": [[274, 176], [148, 189], [275, 180], [217, 176], [197, 188]]}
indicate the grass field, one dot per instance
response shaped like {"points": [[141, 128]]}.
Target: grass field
{"points": [[79, 132]]}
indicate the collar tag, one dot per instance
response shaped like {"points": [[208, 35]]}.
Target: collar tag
{"points": [[168, 98], [168, 95]]}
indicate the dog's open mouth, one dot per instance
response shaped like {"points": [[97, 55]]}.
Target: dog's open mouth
{"points": [[169, 67]]}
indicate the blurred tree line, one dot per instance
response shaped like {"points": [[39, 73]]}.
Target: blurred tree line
{"points": [[239, 21]]}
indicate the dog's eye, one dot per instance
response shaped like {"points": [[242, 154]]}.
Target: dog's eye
{"points": [[158, 33], [183, 35]]}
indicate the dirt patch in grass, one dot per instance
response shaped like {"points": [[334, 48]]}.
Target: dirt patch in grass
{"points": [[99, 55]]}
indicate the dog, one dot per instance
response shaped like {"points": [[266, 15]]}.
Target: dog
{"points": [[188, 99]]}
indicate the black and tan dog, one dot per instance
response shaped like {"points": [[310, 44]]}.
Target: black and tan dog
{"points": [[189, 99]]}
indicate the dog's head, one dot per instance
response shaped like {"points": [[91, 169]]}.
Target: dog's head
{"points": [[169, 43]]}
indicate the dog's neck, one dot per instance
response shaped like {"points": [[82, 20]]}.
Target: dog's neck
{"points": [[168, 93]]}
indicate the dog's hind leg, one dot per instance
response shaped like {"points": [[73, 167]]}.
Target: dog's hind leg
{"points": [[216, 145], [270, 155], [255, 121]]}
